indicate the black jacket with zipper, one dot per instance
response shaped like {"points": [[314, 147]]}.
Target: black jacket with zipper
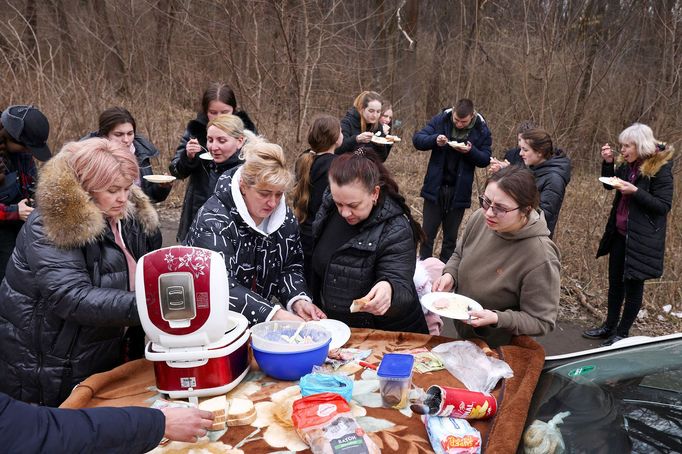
{"points": [[65, 299], [383, 250]]}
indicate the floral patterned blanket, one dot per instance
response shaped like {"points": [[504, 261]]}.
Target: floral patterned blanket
{"points": [[392, 430]]}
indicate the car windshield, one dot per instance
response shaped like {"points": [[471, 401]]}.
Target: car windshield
{"points": [[627, 400]]}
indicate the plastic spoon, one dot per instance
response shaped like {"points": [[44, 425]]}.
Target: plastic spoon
{"points": [[295, 335]]}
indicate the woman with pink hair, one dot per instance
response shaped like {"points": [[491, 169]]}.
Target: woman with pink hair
{"points": [[68, 293]]}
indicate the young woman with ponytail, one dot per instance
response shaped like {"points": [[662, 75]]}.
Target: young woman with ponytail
{"points": [[311, 178], [365, 248]]}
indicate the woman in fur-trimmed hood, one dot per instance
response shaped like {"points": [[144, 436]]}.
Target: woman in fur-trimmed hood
{"points": [[635, 233], [68, 296]]}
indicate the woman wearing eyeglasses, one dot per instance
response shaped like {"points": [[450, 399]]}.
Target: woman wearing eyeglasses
{"points": [[506, 262]]}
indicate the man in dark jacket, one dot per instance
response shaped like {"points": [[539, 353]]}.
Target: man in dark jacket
{"points": [[29, 428], [459, 140]]}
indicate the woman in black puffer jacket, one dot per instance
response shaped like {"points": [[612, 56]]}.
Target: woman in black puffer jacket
{"points": [[634, 237], [218, 99], [552, 171], [68, 293], [361, 124], [365, 248]]}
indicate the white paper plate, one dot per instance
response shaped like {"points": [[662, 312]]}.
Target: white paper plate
{"points": [[455, 144], [340, 331], [611, 181], [380, 140], [159, 178], [206, 156], [429, 299]]}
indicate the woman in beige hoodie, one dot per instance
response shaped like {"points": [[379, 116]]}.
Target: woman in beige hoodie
{"points": [[506, 262]]}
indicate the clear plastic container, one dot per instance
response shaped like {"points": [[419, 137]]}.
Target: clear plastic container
{"points": [[395, 379]]}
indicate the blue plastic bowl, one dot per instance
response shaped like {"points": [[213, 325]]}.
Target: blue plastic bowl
{"points": [[290, 366]]}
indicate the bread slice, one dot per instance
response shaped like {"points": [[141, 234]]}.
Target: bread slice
{"points": [[359, 304], [246, 420], [218, 426], [240, 412], [239, 408], [216, 405]]}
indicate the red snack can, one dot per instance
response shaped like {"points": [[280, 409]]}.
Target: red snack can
{"points": [[460, 403]]}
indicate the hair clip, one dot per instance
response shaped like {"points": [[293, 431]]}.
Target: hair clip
{"points": [[359, 152]]}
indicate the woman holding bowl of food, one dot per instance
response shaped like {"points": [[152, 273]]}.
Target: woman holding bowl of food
{"points": [[506, 262], [634, 238]]}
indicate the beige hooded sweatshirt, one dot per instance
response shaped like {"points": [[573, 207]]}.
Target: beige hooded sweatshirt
{"points": [[514, 274]]}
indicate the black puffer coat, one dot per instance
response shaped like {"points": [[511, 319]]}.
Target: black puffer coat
{"points": [[65, 301], [647, 216], [383, 250], [551, 179], [144, 152], [260, 265], [203, 174], [350, 127]]}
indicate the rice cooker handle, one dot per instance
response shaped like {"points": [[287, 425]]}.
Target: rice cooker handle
{"points": [[195, 355]]}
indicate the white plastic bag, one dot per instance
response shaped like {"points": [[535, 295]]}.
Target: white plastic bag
{"points": [[469, 364], [545, 437]]}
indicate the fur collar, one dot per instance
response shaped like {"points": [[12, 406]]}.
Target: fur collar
{"points": [[651, 165], [70, 217]]}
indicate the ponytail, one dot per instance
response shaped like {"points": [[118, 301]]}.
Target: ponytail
{"points": [[300, 195]]}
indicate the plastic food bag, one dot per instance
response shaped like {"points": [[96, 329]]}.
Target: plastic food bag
{"points": [[452, 435], [316, 383], [324, 421], [545, 437], [469, 364]]}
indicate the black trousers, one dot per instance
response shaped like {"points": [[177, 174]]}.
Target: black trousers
{"points": [[436, 214], [631, 290]]}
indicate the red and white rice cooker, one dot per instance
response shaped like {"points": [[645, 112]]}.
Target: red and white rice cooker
{"points": [[199, 347]]}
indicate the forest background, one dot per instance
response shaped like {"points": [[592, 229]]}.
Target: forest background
{"points": [[582, 69]]}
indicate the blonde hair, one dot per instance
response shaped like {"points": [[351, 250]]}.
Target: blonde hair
{"points": [[264, 163], [97, 163], [230, 124]]}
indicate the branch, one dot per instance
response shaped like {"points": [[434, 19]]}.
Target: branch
{"points": [[400, 27]]}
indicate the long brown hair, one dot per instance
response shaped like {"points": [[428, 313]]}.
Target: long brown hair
{"points": [[322, 136], [361, 102], [364, 165]]}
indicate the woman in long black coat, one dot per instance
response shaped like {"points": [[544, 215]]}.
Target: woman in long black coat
{"points": [[635, 233]]}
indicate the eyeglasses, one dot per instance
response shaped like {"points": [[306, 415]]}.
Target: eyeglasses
{"points": [[497, 211]]}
